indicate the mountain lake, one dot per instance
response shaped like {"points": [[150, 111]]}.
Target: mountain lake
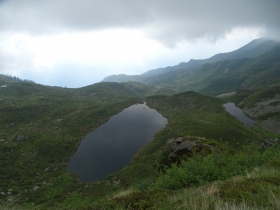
{"points": [[113, 145]]}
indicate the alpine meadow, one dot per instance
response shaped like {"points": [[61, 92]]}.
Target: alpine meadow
{"points": [[204, 158]]}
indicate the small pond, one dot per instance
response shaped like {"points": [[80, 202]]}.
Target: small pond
{"points": [[113, 145], [238, 113]]}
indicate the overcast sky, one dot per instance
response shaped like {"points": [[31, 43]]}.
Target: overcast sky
{"points": [[77, 43]]}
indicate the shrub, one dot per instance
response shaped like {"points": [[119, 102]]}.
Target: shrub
{"points": [[219, 165]]}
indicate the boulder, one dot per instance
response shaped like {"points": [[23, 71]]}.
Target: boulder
{"points": [[172, 155], [273, 140], [21, 138], [178, 140], [171, 144], [35, 188], [184, 147], [180, 148], [170, 141], [207, 147], [269, 142], [197, 142], [2, 140]]}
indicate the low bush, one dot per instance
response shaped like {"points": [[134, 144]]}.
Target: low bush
{"points": [[220, 165]]}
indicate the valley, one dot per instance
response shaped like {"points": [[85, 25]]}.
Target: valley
{"points": [[225, 165]]}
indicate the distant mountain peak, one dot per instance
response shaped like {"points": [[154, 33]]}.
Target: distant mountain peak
{"points": [[253, 49]]}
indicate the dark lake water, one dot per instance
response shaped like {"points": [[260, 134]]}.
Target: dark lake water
{"points": [[238, 113], [113, 145]]}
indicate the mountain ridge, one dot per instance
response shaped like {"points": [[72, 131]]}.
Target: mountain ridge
{"points": [[221, 76], [41, 127], [252, 49]]}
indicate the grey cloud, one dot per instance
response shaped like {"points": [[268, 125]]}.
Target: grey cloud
{"points": [[164, 20]]}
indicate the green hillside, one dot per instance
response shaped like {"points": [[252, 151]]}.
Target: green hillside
{"points": [[203, 159], [221, 77], [253, 49], [41, 128]]}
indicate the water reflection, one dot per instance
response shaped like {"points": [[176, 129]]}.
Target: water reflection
{"points": [[113, 145]]}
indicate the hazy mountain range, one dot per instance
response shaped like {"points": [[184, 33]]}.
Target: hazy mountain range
{"points": [[41, 128], [232, 70]]}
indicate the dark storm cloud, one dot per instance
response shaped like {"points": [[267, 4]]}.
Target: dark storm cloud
{"points": [[165, 20]]}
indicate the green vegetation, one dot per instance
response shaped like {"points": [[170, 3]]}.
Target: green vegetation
{"points": [[261, 105], [6, 79], [41, 127], [222, 164], [253, 67], [56, 119]]}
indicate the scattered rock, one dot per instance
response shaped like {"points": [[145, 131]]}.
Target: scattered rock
{"points": [[21, 138], [2, 193], [269, 143], [35, 188], [206, 146], [172, 155]]}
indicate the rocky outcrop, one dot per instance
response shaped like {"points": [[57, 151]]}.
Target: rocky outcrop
{"points": [[180, 147], [269, 143], [262, 108]]}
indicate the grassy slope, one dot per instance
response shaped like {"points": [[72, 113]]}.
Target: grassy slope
{"points": [[55, 120], [40, 161], [227, 76], [222, 76], [190, 115]]}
